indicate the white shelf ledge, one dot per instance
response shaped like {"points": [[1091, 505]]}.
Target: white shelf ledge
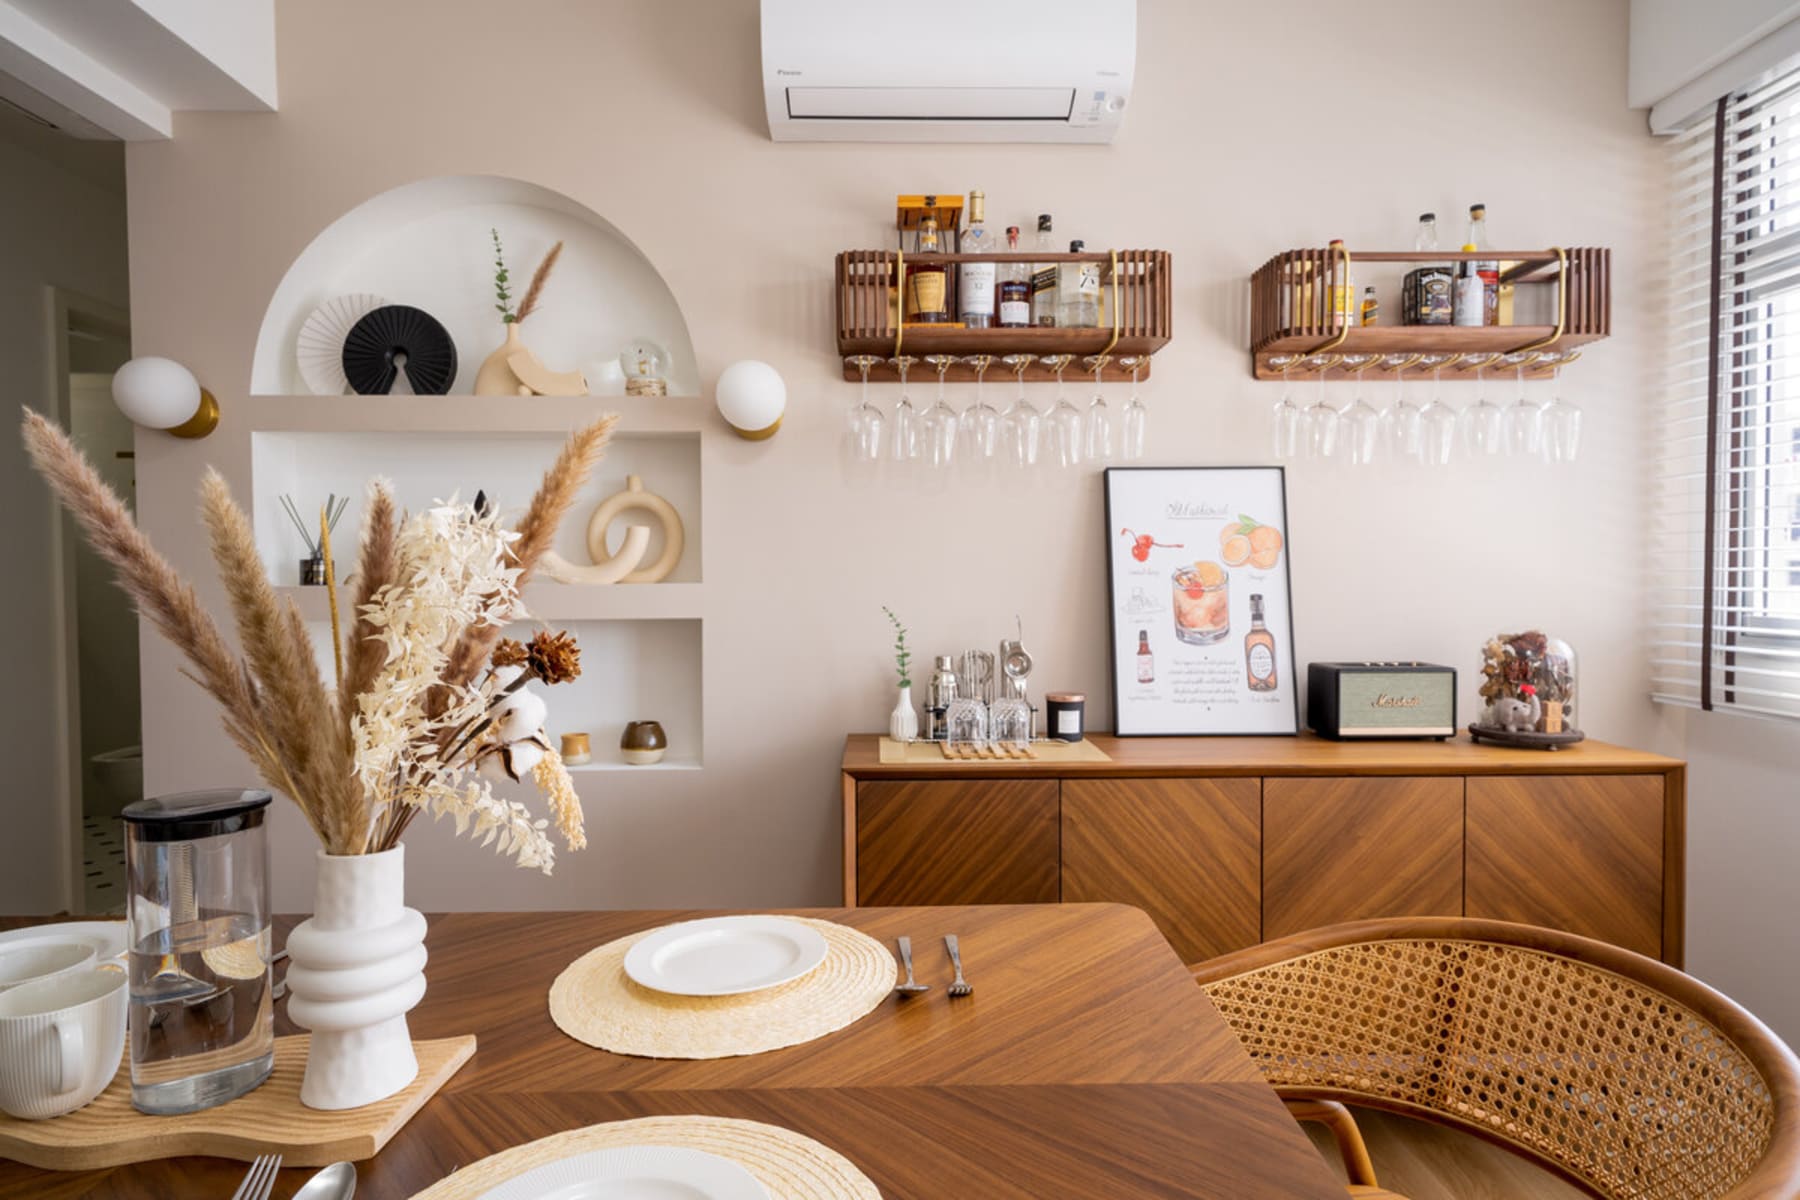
{"points": [[550, 601], [639, 416], [667, 764]]}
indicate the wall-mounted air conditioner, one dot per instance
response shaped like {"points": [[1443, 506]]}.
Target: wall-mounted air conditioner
{"points": [[999, 71]]}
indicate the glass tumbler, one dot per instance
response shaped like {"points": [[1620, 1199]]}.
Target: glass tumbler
{"points": [[197, 926]]}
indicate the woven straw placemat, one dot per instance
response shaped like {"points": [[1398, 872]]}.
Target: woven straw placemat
{"points": [[593, 1001], [792, 1167], [892, 753]]}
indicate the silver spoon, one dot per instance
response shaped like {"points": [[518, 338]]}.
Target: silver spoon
{"points": [[336, 1182], [911, 987]]}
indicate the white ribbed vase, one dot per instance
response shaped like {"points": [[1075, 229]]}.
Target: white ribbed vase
{"points": [[357, 970]]}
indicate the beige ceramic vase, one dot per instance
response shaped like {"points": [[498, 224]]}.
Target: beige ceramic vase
{"points": [[496, 377]]}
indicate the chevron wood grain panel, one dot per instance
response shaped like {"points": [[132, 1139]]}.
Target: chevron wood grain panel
{"points": [[1348, 849], [958, 842], [1186, 851], [1580, 853]]}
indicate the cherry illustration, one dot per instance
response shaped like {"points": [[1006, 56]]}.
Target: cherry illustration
{"points": [[1141, 543]]}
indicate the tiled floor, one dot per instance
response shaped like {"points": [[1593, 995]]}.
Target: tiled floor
{"points": [[103, 867]]}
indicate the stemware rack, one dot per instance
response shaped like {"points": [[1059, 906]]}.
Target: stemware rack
{"points": [[1293, 327], [1135, 308]]}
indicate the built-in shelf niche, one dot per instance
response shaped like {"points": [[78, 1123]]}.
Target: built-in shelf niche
{"points": [[427, 244], [630, 671], [426, 466]]}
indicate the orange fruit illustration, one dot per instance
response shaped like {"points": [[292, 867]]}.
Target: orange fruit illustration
{"points": [[1266, 539], [1236, 550], [1262, 560], [1209, 574]]}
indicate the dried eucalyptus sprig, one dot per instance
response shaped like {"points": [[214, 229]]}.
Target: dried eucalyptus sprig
{"points": [[902, 656], [502, 293]]}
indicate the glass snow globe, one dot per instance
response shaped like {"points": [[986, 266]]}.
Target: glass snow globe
{"points": [[646, 367], [1528, 690]]}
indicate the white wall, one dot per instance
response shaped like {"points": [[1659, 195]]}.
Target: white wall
{"points": [[62, 223], [1674, 42]]}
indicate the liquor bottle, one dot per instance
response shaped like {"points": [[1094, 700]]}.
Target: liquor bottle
{"points": [[1146, 665], [1371, 307], [1078, 292], [1259, 649], [975, 282], [1426, 298], [1487, 269], [1015, 287], [1043, 277], [926, 302], [1470, 305], [1341, 302]]}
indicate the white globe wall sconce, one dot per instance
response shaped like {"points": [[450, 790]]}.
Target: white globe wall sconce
{"points": [[751, 397], [160, 393]]}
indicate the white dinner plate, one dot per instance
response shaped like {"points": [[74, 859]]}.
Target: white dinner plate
{"points": [[725, 956], [106, 937], [634, 1173]]}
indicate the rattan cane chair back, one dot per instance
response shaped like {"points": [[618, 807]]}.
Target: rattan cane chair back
{"points": [[1619, 1073]]}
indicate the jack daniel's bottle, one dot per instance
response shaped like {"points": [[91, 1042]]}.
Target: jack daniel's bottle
{"points": [[1259, 649]]}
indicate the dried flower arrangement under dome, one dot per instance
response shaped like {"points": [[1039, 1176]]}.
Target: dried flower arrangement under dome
{"points": [[432, 706], [1528, 689]]}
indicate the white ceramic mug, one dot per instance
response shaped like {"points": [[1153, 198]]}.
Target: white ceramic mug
{"points": [[61, 1040], [42, 960]]}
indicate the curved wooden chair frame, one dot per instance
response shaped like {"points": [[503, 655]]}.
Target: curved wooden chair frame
{"points": [[1618, 1073]]}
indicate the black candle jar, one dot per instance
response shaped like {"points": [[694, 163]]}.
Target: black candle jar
{"points": [[312, 571], [1067, 715]]}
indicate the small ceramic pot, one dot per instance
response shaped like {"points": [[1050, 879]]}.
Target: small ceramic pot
{"points": [[576, 749], [643, 743]]}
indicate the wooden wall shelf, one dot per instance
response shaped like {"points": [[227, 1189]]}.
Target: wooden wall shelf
{"points": [[1292, 328], [1140, 294]]}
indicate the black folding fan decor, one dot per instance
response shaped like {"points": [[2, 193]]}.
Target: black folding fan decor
{"points": [[395, 338]]}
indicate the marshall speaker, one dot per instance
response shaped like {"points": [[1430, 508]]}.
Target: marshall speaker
{"points": [[1381, 700]]}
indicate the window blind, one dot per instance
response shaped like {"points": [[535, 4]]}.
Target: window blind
{"points": [[1724, 570]]}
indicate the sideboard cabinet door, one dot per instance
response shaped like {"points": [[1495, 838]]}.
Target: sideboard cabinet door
{"points": [[1186, 851], [1581, 853], [957, 841], [1356, 848]]}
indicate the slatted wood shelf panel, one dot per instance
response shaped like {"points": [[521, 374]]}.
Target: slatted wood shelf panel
{"points": [[865, 322], [1290, 314]]}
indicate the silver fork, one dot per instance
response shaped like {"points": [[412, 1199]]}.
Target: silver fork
{"points": [[911, 987], [958, 986], [260, 1181]]}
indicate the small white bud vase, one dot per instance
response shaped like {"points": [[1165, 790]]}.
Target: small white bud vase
{"points": [[357, 969], [903, 722]]}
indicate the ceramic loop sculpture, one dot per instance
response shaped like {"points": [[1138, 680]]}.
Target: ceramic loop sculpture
{"points": [[635, 497]]}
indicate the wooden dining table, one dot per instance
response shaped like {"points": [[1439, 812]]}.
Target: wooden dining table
{"points": [[1086, 1065]]}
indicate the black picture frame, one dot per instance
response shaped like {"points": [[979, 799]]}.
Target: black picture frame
{"points": [[1138, 713]]}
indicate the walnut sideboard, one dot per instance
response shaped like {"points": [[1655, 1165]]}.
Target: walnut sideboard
{"points": [[1227, 842]]}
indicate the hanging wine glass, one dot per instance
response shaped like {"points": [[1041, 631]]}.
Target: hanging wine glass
{"points": [[1021, 424], [1320, 423], [1361, 429], [978, 429], [1097, 425], [903, 434], [1403, 422], [1483, 422], [1438, 423], [937, 428], [867, 422], [1064, 422], [1524, 423], [1285, 416], [1137, 417], [1562, 426]]}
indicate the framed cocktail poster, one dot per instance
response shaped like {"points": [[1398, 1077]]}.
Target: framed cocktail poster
{"points": [[1202, 616]]}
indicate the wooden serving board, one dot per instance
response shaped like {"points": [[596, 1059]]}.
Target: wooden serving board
{"points": [[270, 1120]]}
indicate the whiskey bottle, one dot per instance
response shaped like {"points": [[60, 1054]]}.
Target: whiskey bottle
{"points": [[1426, 298], [1043, 277], [1259, 649], [975, 281], [1146, 665], [1078, 292], [1015, 287], [926, 302]]}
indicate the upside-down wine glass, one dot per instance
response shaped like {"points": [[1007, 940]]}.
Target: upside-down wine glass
{"points": [[1402, 422], [937, 428], [1438, 423], [867, 422], [1137, 417], [1064, 422], [979, 426], [1021, 424], [903, 439], [1484, 421], [1562, 425], [1362, 424], [1285, 416], [1524, 423], [1319, 423], [1097, 424]]}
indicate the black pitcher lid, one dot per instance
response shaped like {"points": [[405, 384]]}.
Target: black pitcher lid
{"points": [[184, 816]]}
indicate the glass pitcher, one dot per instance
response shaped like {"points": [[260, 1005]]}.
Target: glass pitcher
{"points": [[197, 880]]}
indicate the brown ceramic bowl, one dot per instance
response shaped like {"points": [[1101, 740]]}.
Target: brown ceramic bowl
{"points": [[643, 743]]}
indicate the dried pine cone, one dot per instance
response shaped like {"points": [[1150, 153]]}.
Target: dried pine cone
{"points": [[509, 653], [553, 657]]}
